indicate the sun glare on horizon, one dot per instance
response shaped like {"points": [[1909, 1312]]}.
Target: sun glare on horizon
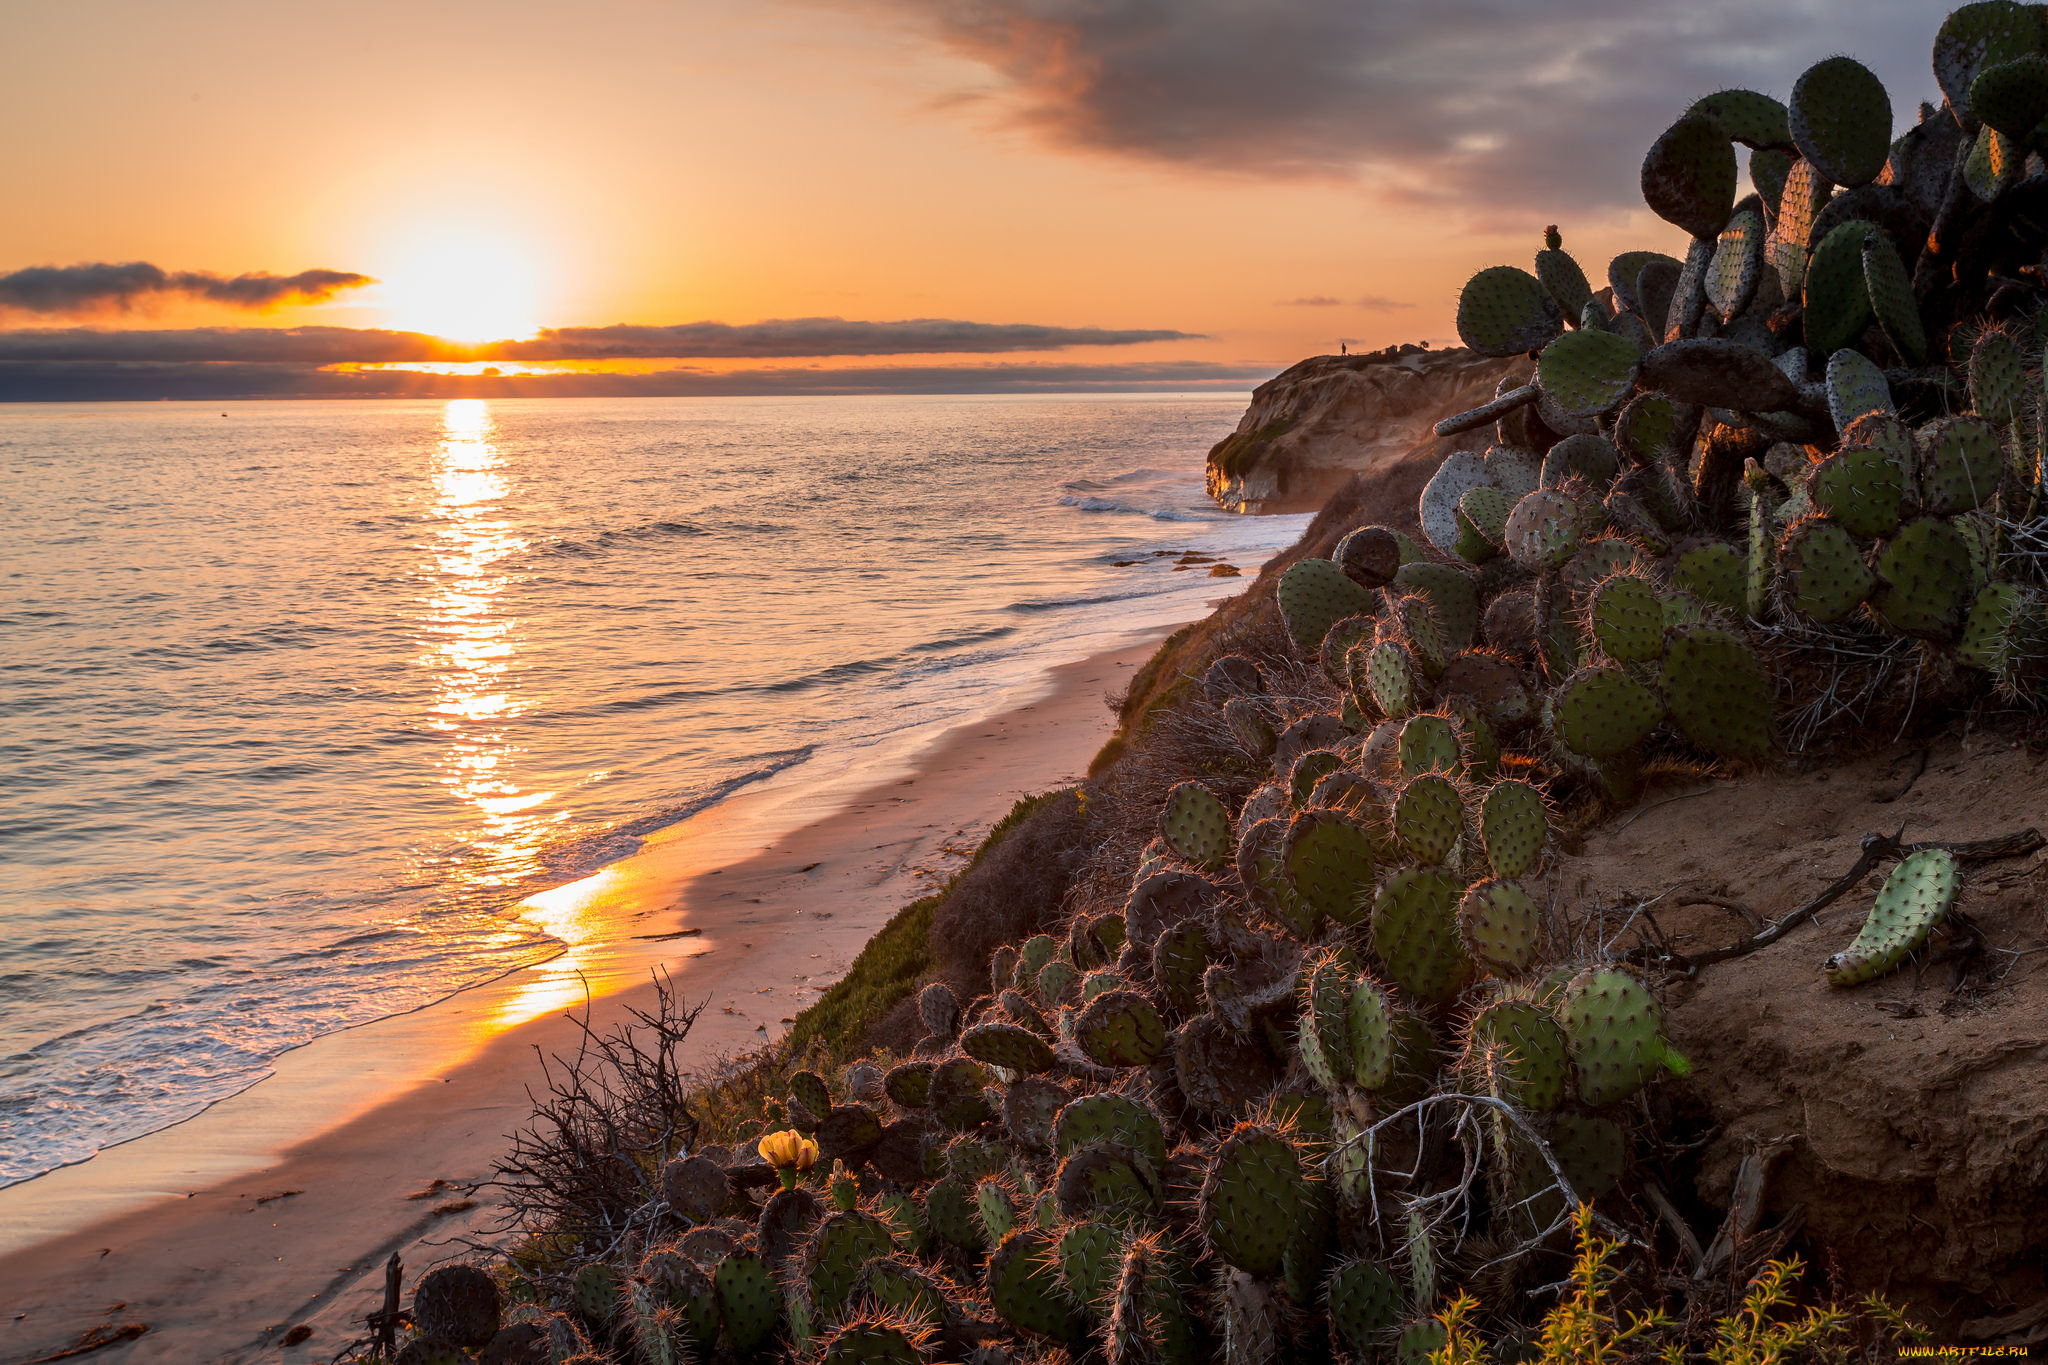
{"points": [[465, 287]]}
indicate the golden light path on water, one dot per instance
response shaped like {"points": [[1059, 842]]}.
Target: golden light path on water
{"points": [[473, 635]]}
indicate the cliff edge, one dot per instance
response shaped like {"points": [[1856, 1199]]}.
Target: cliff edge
{"points": [[1314, 425]]}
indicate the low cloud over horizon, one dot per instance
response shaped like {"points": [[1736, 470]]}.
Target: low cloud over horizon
{"points": [[82, 363], [1420, 102], [102, 286]]}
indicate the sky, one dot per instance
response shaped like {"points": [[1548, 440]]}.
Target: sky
{"points": [[826, 195]]}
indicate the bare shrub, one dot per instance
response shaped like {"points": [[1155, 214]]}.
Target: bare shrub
{"points": [[1013, 891], [587, 1165]]}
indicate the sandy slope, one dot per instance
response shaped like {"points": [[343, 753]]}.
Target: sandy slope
{"points": [[225, 1232]]}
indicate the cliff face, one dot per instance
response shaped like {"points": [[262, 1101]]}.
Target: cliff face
{"points": [[1314, 425]]}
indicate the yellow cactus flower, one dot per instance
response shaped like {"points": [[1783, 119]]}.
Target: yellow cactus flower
{"points": [[788, 1152]]}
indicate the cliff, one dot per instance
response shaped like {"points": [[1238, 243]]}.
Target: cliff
{"points": [[1314, 425]]}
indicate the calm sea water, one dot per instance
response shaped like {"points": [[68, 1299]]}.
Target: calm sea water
{"points": [[298, 700]]}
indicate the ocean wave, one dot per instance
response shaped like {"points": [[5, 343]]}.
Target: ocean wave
{"points": [[1088, 504], [580, 856], [1043, 604]]}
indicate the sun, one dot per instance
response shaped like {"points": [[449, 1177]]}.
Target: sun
{"points": [[462, 285]]}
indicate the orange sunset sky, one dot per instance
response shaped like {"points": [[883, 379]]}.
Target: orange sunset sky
{"points": [[1268, 178]]}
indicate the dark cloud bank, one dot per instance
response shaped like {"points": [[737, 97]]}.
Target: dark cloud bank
{"points": [[1494, 110], [103, 286], [79, 363]]}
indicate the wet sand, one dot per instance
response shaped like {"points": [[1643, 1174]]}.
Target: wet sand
{"points": [[227, 1231]]}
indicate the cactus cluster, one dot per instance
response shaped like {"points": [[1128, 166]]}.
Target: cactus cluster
{"points": [[1215, 1123]]}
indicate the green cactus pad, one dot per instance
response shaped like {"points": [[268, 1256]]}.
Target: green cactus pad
{"points": [[1107, 1180], [1717, 691], [1251, 1199], [595, 1290], [1600, 712], [1437, 508], [1415, 932], [2006, 632], [1370, 1035], [1592, 1149], [1179, 957], [1105, 1117], [1370, 555], [1821, 572], [1958, 464], [1837, 301], [1038, 950], [1330, 865], [1841, 120], [956, 1091], [1309, 769], [1486, 511], [1715, 573], [1861, 488], [1689, 176], [833, 1258], [1504, 311], [1738, 264], [807, 1088], [1391, 680], [1624, 275], [1196, 825], [1428, 817], [995, 1205], [1428, 743], [950, 1213], [1030, 1107], [1007, 1046], [1321, 1035], [1915, 899], [1563, 279], [749, 1301], [1998, 378], [1746, 116], [1994, 165], [1806, 191], [1535, 1063], [1085, 1258], [1979, 35], [909, 1084], [1364, 1303], [1120, 1028], [1338, 641], [1856, 388], [1615, 1029], [1501, 925], [1588, 373], [1627, 620], [1514, 824], [1544, 530], [1889, 287], [1592, 458], [865, 1342], [1024, 1288], [1926, 580], [1314, 595], [2012, 96], [1453, 598]]}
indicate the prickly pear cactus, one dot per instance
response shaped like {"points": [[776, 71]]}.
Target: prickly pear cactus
{"points": [[1616, 1031], [1915, 900]]}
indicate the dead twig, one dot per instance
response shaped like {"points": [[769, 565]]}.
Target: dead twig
{"points": [[1875, 849]]}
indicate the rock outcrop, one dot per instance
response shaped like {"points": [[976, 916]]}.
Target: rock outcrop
{"points": [[1314, 425]]}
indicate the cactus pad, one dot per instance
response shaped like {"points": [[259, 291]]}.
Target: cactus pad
{"points": [[1588, 372], [1415, 932], [1179, 958], [1836, 299], [1364, 1302], [1821, 572], [841, 1246], [1592, 1149], [1024, 1288], [1195, 823], [1308, 770], [1534, 1062], [1958, 464], [1927, 580], [1437, 508], [1503, 311], [1738, 263], [1916, 898], [1120, 1028], [1601, 712], [1627, 620], [1889, 286], [1428, 816], [1514, 823], [1501, 925], [1156, 904], [1251, 1198], [1689, 177], [749, 1301], [1841, 120], [1391, 680], [1007, 1046], [1856, 387], [1315, 595], [1862, 488], [1544, 530], [1717, 692], [1330, 865], [1615, 1029]]}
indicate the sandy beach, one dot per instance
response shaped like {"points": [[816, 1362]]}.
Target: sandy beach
{"points": [[277, 1208]]}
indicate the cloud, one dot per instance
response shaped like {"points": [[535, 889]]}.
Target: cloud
{"points": [[76, 381], [693, 340], [1479, 106], [1312, 301], [1373, 303], [100, 287], [816, 336]]}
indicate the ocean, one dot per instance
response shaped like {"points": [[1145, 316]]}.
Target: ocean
{"points": [[299, 700]]}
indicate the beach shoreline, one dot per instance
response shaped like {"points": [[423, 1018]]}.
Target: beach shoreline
{"points": [[225, 1231]]}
